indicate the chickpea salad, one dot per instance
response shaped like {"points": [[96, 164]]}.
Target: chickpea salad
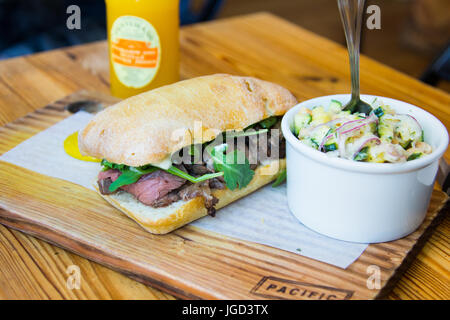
{"points": [[381, 136]]}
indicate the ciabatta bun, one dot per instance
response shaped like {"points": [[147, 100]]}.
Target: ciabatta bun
{"points": [[178, 214], [140, 130]]}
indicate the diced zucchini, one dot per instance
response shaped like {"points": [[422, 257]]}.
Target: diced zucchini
{"points": [[362, 155], [301, 120], [335, 106], [330, 147], [386, 130], [379, 112], [408, 131], [377, 157], [406, 145], [320, 133], [414, 156], [344, 114], [319, 116], [310, 142]]}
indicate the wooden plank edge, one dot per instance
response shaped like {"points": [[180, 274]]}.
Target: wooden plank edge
{"points": [[412, 253], [79, 248]]}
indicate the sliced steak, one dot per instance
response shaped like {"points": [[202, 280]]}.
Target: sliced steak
{"points": [[217, 183], [198, 169], [160, 188], [149, 188], [103, 185], [105, 179], [166, 200], [203, 190], [112, 174], [153, 186]]}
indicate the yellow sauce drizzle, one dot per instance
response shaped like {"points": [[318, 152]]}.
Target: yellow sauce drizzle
{"points": [[71, 148]]}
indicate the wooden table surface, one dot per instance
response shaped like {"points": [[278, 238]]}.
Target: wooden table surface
{"points": [[259, 45]]}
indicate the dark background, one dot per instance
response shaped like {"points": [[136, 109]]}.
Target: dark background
{"points": [[413, 32]]}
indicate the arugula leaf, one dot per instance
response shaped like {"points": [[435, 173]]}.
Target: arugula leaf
{"points": [[109, 165], [269, 122], [266, 123], [236, 175], [126, 178], [280, 179], [180, 173], [244, 133], [130, 175]]}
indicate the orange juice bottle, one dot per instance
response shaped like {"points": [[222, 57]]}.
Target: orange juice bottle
{"points": [[143, 44]]}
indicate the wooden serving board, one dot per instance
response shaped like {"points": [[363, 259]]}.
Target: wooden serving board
{"points": [[189, 263]]}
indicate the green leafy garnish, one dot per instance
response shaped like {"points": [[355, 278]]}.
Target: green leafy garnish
{"points": [[269, 122], [422, 136], [109, 165], [233, 134], [180, 173], [362, 155], [266, 123], [414, 156], [235, 174], [130, 175], [280, 179], [126, 178]]}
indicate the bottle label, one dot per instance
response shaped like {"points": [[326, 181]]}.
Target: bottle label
{"points": [[135, 51]]}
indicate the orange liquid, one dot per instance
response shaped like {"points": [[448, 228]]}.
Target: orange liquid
{"points": [[143, 39]]}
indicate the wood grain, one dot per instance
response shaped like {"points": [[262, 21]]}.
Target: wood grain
{"points": [[189, 263], [307, 64]]}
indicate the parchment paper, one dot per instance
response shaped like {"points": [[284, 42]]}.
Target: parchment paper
{"points": [[261, 217]]}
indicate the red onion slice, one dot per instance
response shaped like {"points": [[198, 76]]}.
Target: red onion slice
{"points": [[366, 141], [414, 119], [329, 123], [365, 121], [324, 140], [354, 128], [349, 122]]}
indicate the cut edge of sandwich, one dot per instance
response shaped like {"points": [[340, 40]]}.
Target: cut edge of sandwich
{"points": [[166, 219]]}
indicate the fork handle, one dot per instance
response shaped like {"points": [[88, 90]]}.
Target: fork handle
{"points": [[351, 15]]}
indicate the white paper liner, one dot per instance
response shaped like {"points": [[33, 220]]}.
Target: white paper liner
{"points": [[262, 217]]}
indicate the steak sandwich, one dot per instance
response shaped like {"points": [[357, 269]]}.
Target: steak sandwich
{"points": [[179, 152]]}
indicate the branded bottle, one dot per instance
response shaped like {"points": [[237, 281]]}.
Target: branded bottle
{"points": [[143, 44]]}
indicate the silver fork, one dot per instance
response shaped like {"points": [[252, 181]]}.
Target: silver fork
{"points": [[351, 15]]}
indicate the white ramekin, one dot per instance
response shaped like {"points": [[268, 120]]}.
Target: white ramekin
{"points": [[359, 201]]}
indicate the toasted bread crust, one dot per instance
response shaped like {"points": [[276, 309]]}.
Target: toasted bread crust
{"points": [[165, 220], [150, 127]]}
